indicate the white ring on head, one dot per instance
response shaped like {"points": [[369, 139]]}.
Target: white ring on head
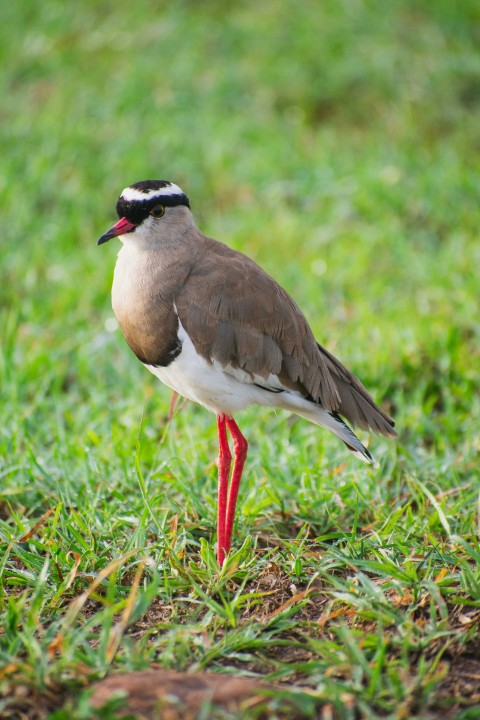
{"points": [[130, 193]]}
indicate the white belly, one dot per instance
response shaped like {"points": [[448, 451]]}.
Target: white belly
{"points": [[209, 384], [227, 390]]}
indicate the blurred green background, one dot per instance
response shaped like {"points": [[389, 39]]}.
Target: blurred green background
{"points": [[337, 143]]}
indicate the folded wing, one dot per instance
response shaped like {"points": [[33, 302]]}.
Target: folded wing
{"points": [[238, 316]]}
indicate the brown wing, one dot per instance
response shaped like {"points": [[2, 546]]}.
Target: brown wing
{"points": [[239, 316], [356, 403]]}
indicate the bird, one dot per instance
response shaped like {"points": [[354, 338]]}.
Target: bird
{"points": [[214, 327]]}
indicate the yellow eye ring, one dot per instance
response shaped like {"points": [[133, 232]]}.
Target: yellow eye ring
{"points": [[158, 211]]}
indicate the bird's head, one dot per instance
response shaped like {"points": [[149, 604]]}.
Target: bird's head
{"points": [[148, 210]]}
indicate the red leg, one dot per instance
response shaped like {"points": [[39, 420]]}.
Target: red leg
{"points": [[240, 449], [173, 404], [224, 462]]}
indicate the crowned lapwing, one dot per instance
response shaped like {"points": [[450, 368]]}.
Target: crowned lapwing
{"points": [[217, 329]]}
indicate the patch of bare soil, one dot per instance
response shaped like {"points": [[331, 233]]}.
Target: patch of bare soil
{"points": [[172, 695]]}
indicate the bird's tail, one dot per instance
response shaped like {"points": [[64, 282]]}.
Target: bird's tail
{"points": [[346, 435], [329, 420]]}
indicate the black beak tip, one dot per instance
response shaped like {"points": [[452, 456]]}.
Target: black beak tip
{"points": [[105, 238]]}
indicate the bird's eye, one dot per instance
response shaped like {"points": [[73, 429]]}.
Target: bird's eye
{"points": [[158, 211]]}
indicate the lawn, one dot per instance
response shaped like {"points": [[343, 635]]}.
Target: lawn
{"points": [[338, 144]]}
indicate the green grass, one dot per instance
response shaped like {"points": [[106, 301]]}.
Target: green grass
{"points": [[337, 143]]}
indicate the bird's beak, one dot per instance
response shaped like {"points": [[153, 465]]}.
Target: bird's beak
{"points": [[120, 228]]}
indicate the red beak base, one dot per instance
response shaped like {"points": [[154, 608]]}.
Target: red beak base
{"points": [[122, 227]]}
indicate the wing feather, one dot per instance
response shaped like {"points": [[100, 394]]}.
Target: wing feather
{"points": [[237, 315]]}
